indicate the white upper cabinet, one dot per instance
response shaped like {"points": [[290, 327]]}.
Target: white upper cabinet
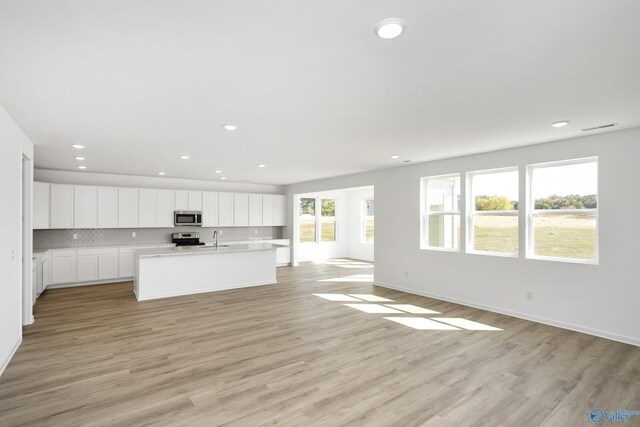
{"points": [[255, 209], [69, 206], [61, 206], [85, 202], [164, 208], [240, 209], [195, 200], [41, 205], [273, 210], [147, 198], [107, 207], [225, 209], [127, 207], [210, 209]]}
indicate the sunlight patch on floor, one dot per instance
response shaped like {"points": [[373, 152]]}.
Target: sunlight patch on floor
{"points": [[422, 324], [466, 324], [337, 297], [371, 298], [373, 308], [413, 309]]}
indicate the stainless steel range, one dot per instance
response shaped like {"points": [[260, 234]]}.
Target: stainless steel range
{"points": [[186, 239]]}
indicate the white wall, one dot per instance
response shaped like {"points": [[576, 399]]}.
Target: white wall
{"points": [[355, 248], [598, 299], [317, 251], [88, 178], [13, 144]]}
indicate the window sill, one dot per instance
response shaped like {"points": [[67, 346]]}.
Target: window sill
{"points": [[564, 260], [496, 254], [428, 248]]}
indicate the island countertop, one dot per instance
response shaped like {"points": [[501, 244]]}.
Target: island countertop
{"points": [[191, 250]]}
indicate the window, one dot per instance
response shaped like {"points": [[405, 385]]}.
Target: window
{"points": [[307, 221], [328, 220], [492, 224], [562, 222], [367, 222], [441, 212]]}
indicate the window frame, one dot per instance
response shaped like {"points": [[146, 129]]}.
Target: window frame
{"points": [[531, 212], [424, 213], [363, 220], [318, 220], [471, 212]]}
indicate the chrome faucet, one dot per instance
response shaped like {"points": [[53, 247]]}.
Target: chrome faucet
{"points": [[215, 238]]}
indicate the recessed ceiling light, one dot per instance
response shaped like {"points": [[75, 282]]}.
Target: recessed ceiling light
{"points": [[217, 171], [223, 177], [560, 124], [389, 28], [82, 167], [260, 165], [78, 146], [230, 127], [184, 157], [394, 156], [80, 158], [161, 173]]}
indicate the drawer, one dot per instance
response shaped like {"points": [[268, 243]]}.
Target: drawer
{"points": [[98, 251], [64, 252]]}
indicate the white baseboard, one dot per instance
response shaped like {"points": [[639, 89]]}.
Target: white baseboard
{"points": [[13, 351], [91, 283], [525, 316]]}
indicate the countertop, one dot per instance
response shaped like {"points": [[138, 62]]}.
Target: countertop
{"points": [[150, 245], [191, 250]]}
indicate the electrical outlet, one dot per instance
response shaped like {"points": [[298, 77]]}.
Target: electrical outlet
{"points": [[255, 231], [133, 234], [529, 295], [75, 236]]}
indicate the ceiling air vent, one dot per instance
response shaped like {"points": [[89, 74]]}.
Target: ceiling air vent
{"points": [[610, 125]]}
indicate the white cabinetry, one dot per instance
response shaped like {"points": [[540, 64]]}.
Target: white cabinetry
{"points": [[273, 210], [255, 209], [63, 266], [209, 209], [85, 202], [87, 267], [225, 209], [108, 264], [164, 208], [195, 200], [188, 200], [181, 200], [61, 206], [41, 205], [107, 207], [147, 209], [240, 209], [127, 207]]}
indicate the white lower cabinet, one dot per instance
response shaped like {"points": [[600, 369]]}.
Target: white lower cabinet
{"points": [[283, 255], [63, 266], [87, 268], [127, 267], [108, 265]]}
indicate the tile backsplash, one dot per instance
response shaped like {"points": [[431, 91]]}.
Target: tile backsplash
{"points": [[48, 239]]}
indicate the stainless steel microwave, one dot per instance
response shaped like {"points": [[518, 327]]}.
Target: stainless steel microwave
{"points": [[193, 218]]}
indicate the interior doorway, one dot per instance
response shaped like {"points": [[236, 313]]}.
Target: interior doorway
{"points": [[334, 224]]}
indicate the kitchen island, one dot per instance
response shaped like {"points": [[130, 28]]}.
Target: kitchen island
{"points": [[166, 272]]}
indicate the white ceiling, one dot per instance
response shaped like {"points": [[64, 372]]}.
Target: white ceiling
{"points": [[313, 91]]}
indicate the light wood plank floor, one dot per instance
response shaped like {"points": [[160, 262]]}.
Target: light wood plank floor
{"points": [[280, 355]]}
